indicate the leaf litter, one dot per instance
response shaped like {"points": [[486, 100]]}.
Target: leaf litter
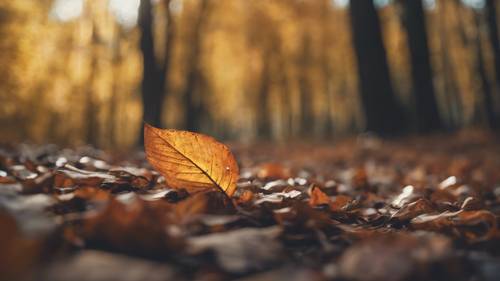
{"points": [[413, 209]]}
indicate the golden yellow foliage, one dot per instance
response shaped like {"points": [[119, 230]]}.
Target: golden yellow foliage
{"points": [[261, 66], [192, 161]]}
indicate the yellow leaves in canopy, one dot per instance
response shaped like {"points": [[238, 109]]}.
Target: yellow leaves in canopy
{"points": [[189, 160]]}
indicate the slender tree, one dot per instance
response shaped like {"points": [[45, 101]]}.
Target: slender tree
{"points": [[427, 113], [154, 81], [491, 15], [152, 88], [91, 110], [382, 112], [326, 69], [193, 104], [487, 98], [267, 40], [451, 89]]}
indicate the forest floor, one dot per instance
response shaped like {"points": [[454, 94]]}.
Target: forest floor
{"points": [[419, 208]]}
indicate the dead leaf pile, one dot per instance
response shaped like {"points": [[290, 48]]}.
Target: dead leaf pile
{"points": [[412, 209]]}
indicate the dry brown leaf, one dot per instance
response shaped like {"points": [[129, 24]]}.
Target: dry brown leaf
{"points": [[396, 257], [339, 202], [241, 250], [477, 226], [414, 209], [19, 253], [121, 226], [189, 160]]}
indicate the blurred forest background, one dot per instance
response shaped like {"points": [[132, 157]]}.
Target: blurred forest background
{"points": [[84, 71]]}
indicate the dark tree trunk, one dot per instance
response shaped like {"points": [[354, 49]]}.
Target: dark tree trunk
{"points": [[491, 11], [493, 34], [481, 70], [427, 112], [193, 103], [169, 46], [153, 80], [92, 129], [382, 112]]}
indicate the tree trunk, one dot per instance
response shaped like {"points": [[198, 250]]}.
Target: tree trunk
{"points": [[451, 90], [169, 46], [495, 43], [91, 111], [153, 80], [382, 112], [427, 112], [481, 70], [193, 104]]}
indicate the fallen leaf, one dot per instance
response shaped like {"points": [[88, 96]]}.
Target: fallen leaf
{"points": [[70, 175], [276, 186], [270, 171], [434, 218], [241, 250], [190, 210], [477, 225], [190, 160], [404, 197], [396, 257], [340, 202], [121, 227], [414, 209], [342, 214], [318, 197], [30, 212], [278, 197], [19, 253], [83, 265]]}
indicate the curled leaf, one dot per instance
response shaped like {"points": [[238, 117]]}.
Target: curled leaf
{"points": [[414, 209], [189, 160]]}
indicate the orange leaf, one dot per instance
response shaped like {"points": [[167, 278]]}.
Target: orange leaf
{"points": [[189, 160], [318, 197]]}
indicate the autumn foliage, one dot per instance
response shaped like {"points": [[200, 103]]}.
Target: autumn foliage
{"points": [[363, 209], [190, 160]]}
